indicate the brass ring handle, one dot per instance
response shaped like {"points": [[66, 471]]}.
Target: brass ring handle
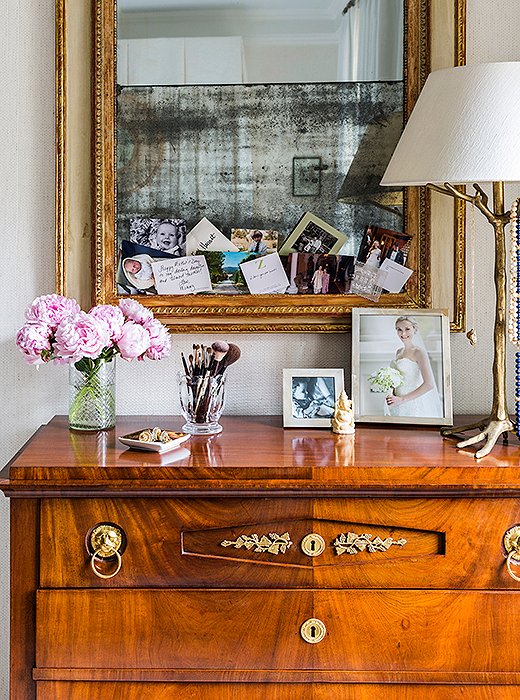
{"points": [[104, 549], [511, 543], [513, 554]]}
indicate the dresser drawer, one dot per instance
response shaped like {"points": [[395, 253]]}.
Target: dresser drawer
{"points": [[190, 691], [259, 542], [253, 691], [250, 633]]}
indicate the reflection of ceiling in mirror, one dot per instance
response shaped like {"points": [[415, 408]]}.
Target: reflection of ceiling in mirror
{"points": [[319, 6]]}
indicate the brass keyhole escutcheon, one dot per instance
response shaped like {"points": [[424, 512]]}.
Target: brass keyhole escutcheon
{"points": [[313, 545], [313, 630]]}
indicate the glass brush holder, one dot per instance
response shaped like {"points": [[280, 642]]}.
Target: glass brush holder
{"points": [[202, 399]]}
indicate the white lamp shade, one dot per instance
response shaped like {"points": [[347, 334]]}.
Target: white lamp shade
{"points": [[464, 128]]}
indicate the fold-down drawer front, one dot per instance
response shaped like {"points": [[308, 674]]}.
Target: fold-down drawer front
{"points": [[280, 542], [271, 691], [422, 632]]}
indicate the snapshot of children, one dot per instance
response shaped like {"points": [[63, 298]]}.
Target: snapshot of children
{"points": [[257, 245]]}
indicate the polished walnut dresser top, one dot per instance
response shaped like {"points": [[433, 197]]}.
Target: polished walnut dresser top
{"points": [[263, 564], [255, 454]]}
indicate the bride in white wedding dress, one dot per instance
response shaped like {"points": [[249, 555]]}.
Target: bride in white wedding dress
{"points": [[417, 396]]}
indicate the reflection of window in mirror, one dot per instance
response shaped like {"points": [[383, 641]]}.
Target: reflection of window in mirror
{"points": [[217, 98], [174, 42]]}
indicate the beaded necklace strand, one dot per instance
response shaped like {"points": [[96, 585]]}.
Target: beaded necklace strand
{"points": [[514, 302]]}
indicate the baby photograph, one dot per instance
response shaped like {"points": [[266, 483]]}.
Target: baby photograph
{"points": [[134, 271], [168, 235]]}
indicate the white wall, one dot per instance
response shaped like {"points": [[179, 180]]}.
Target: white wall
{"points": [[29, 397]]}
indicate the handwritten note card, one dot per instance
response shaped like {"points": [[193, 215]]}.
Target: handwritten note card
{"points": [[395, 276], [182, 275], [205, 236], [265, 275]]}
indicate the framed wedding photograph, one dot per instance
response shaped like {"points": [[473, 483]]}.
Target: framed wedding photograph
{"points": [[309, 396], [401, 369]]}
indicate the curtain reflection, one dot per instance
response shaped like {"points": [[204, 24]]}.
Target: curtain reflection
{"points": [[371, 44]]}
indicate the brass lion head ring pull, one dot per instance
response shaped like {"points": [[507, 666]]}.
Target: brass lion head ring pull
{"points": [[106, 542], [511, 543]]}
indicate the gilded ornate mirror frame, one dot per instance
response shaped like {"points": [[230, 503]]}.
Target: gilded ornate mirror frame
{"points": [[86, 187]]}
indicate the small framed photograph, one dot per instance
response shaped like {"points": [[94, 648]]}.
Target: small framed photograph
{"points": [[306, 177], [401, 366], [313, 235], [309, 396]]}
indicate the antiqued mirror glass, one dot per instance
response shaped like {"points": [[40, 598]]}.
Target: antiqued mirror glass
{"points": [[252, 115]]}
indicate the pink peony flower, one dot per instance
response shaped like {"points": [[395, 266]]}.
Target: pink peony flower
{"points": [[51, 309], [58, 330], [80, 336], [160, 342], [134, 311], [111, 317], [33, 339], [134, 341]]}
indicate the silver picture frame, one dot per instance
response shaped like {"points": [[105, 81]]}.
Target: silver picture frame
{"points": [[309, 396], [407, 346]]}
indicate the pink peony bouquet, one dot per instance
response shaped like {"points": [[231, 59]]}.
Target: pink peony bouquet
{"points": [[56, 329]]}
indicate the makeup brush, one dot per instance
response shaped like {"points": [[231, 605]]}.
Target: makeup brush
{"points": [[232, 355], [220, 348], [185, 364]]}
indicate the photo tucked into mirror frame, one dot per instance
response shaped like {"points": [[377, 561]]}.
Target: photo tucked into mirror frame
{"points": [[265, 312]]}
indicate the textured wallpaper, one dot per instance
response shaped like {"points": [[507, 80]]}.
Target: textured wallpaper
{"points": [[30, 397]]}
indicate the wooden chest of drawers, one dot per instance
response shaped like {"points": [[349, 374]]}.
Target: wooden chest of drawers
{"points": [[263, 564]]}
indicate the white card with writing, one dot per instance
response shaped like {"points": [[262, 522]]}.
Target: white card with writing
{"points": [[395, 276], [205, 236], [182, 275], [265, 275]]}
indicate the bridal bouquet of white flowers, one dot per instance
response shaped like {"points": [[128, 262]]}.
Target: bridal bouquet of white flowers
{"points": [[385, 379]]}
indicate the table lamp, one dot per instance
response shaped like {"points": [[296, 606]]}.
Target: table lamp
{"points": [[465, 128]]}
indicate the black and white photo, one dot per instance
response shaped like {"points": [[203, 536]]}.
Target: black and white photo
{"points": [[168, 235], [309, 396], [313, 235]]}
